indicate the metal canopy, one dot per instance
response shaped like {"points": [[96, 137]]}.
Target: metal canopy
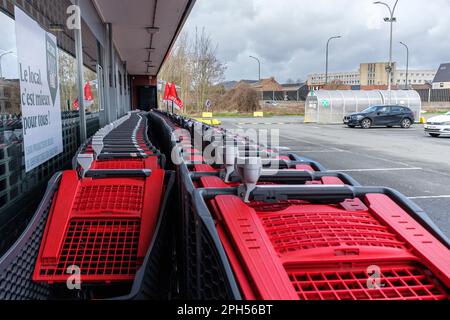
{"points": [[144, 30]]}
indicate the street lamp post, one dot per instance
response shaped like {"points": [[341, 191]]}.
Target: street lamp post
{"points": [[326, 64], [407, 63], [391, 19], [1, 56], [259, 66]]}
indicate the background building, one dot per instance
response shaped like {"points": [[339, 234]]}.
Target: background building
{"points": [[375, 74], [295, 91], [415, 77], [346, 78], [9, 97], [271, 90], [372, 75], [442, 78]]}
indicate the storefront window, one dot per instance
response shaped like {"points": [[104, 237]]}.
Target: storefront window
{"points": [[9, 78], [91, 77], [68, 84], [13, 180], [10, 122], [67, 79], [10, 126]]}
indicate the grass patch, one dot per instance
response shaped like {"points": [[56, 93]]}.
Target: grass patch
{"points": [[436, 112]]}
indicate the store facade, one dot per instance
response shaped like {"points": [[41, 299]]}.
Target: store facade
{"points": [[105, 78]]}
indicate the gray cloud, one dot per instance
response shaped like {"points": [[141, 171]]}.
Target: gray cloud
{"points": [[290, 35]]}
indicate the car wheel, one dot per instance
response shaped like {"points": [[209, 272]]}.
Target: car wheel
{"points": [[406, 123], [366, 123], [434, 135], [352, 127]]}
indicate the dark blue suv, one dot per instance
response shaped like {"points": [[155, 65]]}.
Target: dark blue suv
{"points": [[383, 116]]}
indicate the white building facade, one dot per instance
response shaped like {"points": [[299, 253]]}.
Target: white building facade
{"points": [[414, 77], [347, 78], [355, 78]]}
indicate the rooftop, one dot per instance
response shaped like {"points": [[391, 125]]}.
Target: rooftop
{"points": [[443, 74]]}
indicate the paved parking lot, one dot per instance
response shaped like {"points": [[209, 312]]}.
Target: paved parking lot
{"points": [[407, 160]]}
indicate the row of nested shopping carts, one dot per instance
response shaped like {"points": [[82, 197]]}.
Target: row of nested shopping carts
{"points": [[228, 221], [100, 231], [266, 226]]}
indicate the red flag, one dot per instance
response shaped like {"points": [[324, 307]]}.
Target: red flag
{"points": [[179, 103], [166, 92], [174, 96], [88, 92], [170, 94], [173, 91], [88, 97]]}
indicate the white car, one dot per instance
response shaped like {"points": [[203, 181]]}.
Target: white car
{"points": [[438, 126]]}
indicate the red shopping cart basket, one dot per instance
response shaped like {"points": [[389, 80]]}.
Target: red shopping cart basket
{"points": [[360, 249], [102, 226]]}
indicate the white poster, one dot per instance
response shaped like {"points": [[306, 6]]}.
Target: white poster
{"points": [[39, 91]]}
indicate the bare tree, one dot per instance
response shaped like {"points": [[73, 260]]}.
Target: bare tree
{"points": [[207, 70], [67, 65], [194, 66]]}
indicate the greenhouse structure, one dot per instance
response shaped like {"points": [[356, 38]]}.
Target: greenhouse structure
{"points": [[330, 107]]}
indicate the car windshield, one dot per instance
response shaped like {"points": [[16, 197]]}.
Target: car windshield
{"points": [[370, 110]]}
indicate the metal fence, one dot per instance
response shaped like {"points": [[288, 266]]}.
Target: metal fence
{"points": [[298, 95], [434, 95]]}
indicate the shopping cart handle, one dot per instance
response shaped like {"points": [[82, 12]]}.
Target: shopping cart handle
{"points": [[112, 156], [145, 173], [334, 194]]}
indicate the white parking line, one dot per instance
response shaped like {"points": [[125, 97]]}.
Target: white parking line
{"points": [[377, 169], [357, 153], [322, 146], [380, 159], [430, 197], [316, 151]]}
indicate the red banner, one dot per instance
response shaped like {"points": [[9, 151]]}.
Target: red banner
{"points": [[170, 94]]}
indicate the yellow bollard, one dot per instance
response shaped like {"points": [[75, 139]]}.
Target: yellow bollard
{"points": [[258, 114], [211, 122], [422, 120], [207, 115]]}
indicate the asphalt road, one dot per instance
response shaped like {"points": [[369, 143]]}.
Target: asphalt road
{"points": [[406, 160]]}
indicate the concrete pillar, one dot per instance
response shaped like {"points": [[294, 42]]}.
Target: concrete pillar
{"points": [[80, 76], [107, 74], [113, 76]]}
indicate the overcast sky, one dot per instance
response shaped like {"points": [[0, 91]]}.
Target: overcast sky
{"points": [[290, 35], [7, 44]]}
